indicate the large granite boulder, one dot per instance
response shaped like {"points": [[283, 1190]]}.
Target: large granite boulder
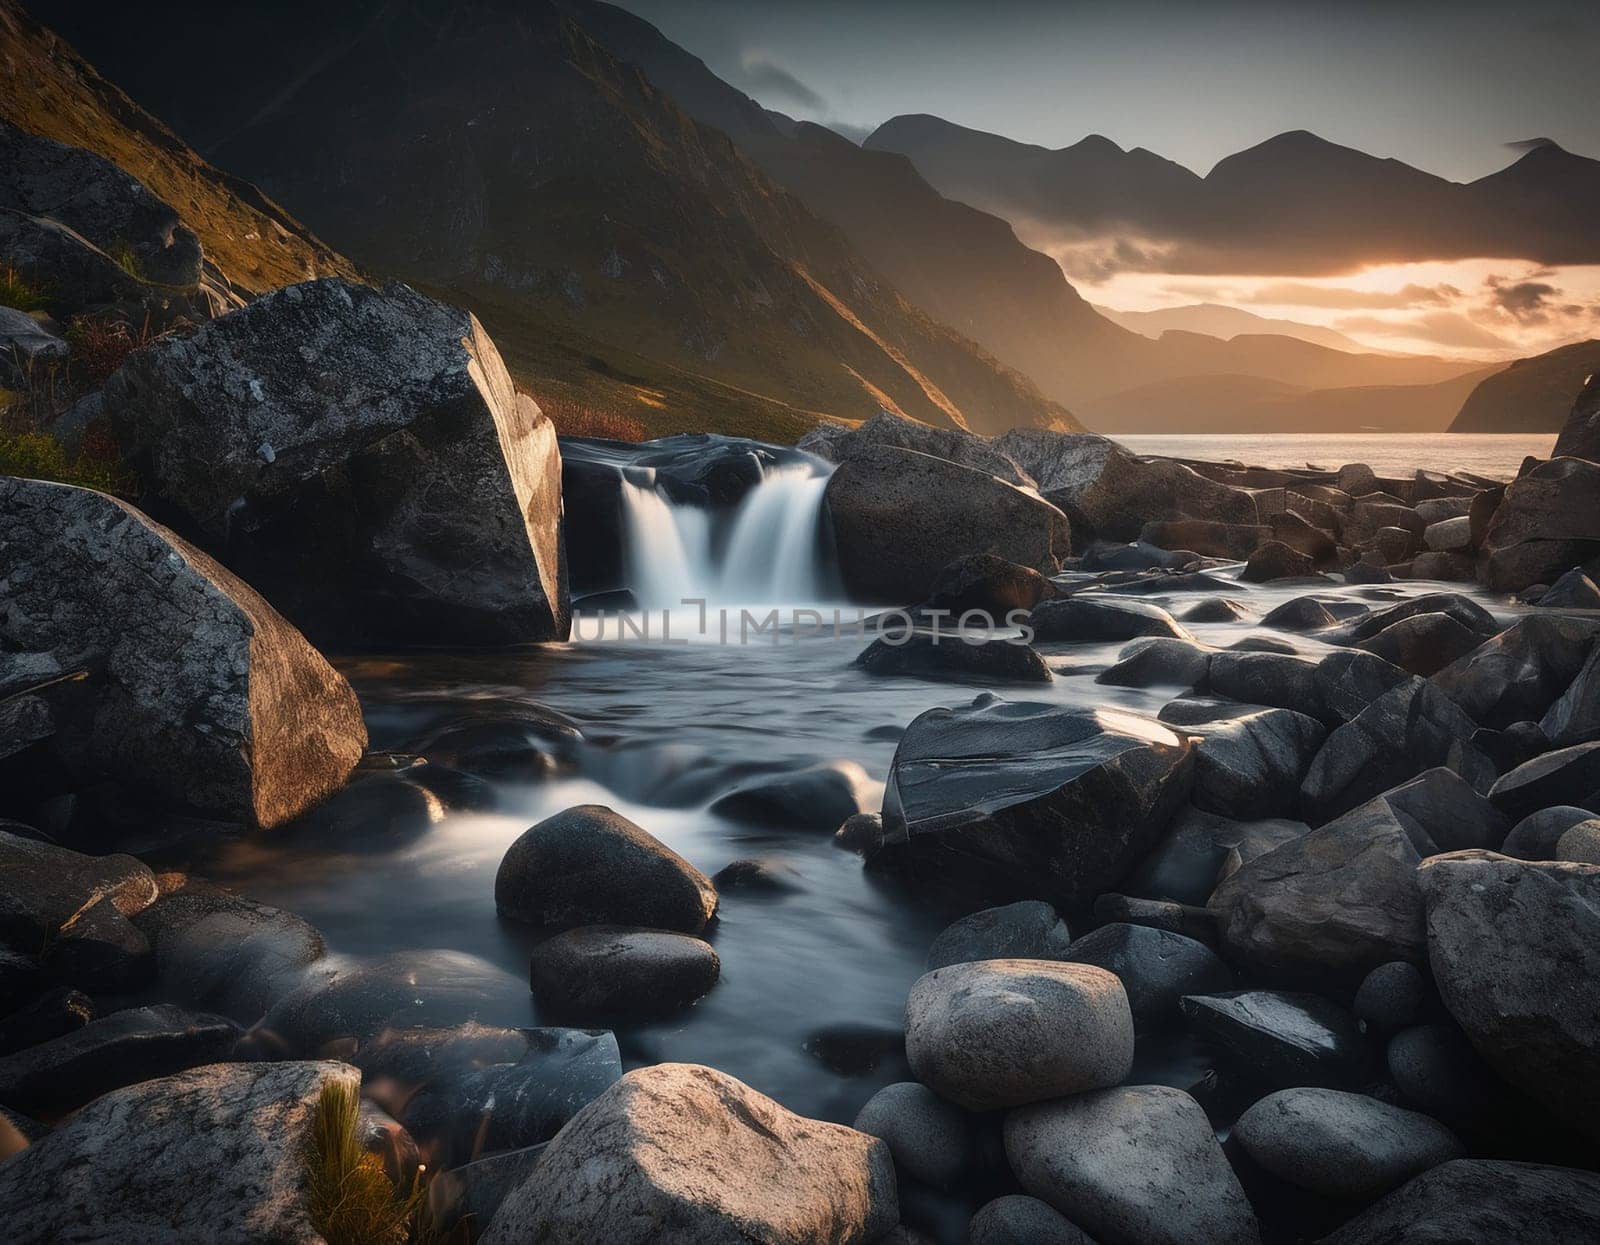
{"points": [[1251, 765], [213, 1154], [602, 972], [1574, 718], [1515, 950], [1155, 966], [200, 695], [1580, 435], [1026, 930], [1569, 776], [900, 517], [1482, 1201], [362, 456], [838, 444], [1129, 492], [930, 1138], [1275, 1039], [1520, 673], [1021, 800], [46, 890], [78, 275], [1135, 1165], [1547, 523], [678, 1154], [1090, 619]]}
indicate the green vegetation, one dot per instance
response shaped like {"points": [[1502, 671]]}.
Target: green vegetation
{"points": [[126, 260], [353, 1201], [18, 293], [39, 456]]}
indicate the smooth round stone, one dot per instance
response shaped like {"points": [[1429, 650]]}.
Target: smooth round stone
{"points": [[612, 970], [929, 1138], [1393, 997], [768, 874], [1017, 1219], [1029, 930], [1435, 1069], [1000, 1033], [1581, 843], [1156, 968], [1343, 1145], [862, 833], [1538, 835]]}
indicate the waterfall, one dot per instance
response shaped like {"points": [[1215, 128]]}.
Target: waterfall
{"points": [[772, 544]]}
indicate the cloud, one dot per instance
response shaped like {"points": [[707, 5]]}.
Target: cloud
{"points": [[1343, 298], [1532, 144], [1526, 302], [771, 83], [1442, 328]]}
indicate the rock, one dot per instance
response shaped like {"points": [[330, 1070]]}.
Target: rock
{"points": [[100, 951], [1515, 949], [1341, 899], [201, 695], [817, 798], [1573, 591], [473, 1192], [1159, 662], [677, 1154], [1253, 764], [900, 517], [950, 655], [861, 833], [1177, 918], [1021, 800], [1136, 1165], [375, 813], [767, 874], [1282, 1040], [855, 1049], [1129, 492], [1342, 1145], [118, 1049], [984, 582], [1026, 930], [1435, 1068], [1276, 560], [1547, 523], [1184, 867], [591, 866], [1208, 539], [1333, 690], [999, 1033], [1437, 509], [49, 890], [1449, 567], [52, 1014], [1581, 844], [1517, 744], [1574, 718], [531, 743], [1566, 776], [928, 1137], [1537, 835], [1423, 644], [1449, 535], [1580, 435], [992, 457], [1300, 614], [601, 971], [408, 495], [1356, 479], [27, 348], [1018, 1220], [1156, 968], [1392, 997], [1086, 619], [1439, 811], [1346, 683], [1364, 572], [341, 1005], [1521, 672], [1412, 728], [1215, 610], [1482, 1200], [1462, 609], [1312, 540], [213, 1154]]}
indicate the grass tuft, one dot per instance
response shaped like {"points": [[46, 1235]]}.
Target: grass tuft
{"points": [[18, 293], [353, 1201], [126, 260]]}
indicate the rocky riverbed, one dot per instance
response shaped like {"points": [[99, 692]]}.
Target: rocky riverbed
{"points": [[1086, 846]]}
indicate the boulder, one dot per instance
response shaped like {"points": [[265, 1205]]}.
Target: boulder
{"points": [[1026, 930], [1185, 866], [1449, 535], [1518, 674], [1482, 1200], [956, 445], [44, 890], [1159, 662], [1515, 949], [982, 659], [1087, 619], [27, 348], [611, 971], [52, 1014], [929, 1138], [1215, 610], [1547, 523], [591, 866], [362, 456], [1314, 540], [1573, 591], [1342, 1145], [200, 695], [862, 833], [819, 797], [1356, 479], [1580, 435], [520, 745], [770, 875], [984, 582], [1207, 538], [1450, 567], [1435, 1069], [1015, 1219], [1439, 811], [999, 1033], [1300, 614], [139, 1044], [1422, 644], [1156, 968], [900, 517], [1581, 844], [677, 1154], [1342, 899], [75, 274], [213, 1154], [1567, 776], [1135, 1165], [1574, 718], [1537, 835], [1276, 560], [1162, 914], [1020, 800], [1129, 492], [1392, 997], [1253, 764], [1279, 1040]]}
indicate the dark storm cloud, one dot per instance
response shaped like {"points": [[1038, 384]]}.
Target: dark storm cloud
{"points": [[772, 84], [1527, 302]]}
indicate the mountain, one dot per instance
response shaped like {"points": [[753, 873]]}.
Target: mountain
{"points": [[1531, 395], [1217, 320], [494, 153], [47, 89], [1295, 204]]}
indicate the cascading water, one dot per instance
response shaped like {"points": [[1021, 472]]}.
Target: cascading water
{"points": [[772, 554]]}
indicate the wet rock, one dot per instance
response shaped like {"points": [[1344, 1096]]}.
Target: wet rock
{"points": [[591, 866], [473, 1192], [532, 744], [53, 1014], [817, 798], [1185, 866], [1178, 918], [375, 813], [1159, 662], [1026, 930], [1575, 716], [1439, 811], [861, 833], [99, 950], [1347, 683], [204, 697], [1208, 539], [1018, 1220], [1392, 997], [1342, 1145], [950, 656], [1573, 591], [1254, 764], [1333, 690], [1021, 800], [1521, 672], [1276, 560], [992, 585], [1538, 834], [900, 517], [1451, 567], [1364, 572], [1423, 644], [1566, 776], [1134, 1164], [855, 1049], [1482, 1200], [1517, 744], [1311, 540], [1281, 1040], [1515, 949], [1436, 1070], [928, 1137], [1300, 614], [766, 875], [602, 971], [998, 1033], [1547, 523], [1215, 610], [1156, 968], [682, 1155], [118, 1049], [1086, 619]]}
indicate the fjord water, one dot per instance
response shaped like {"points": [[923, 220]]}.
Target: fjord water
{"points": [[1496, 455]]}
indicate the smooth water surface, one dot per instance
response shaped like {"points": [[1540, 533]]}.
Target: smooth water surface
{"points": [[1495, 455]]}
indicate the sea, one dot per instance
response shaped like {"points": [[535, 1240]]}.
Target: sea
{"points": [[1496, 455]]}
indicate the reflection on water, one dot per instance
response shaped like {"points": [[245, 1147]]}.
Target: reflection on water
{"points": [[1496, 455]]}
